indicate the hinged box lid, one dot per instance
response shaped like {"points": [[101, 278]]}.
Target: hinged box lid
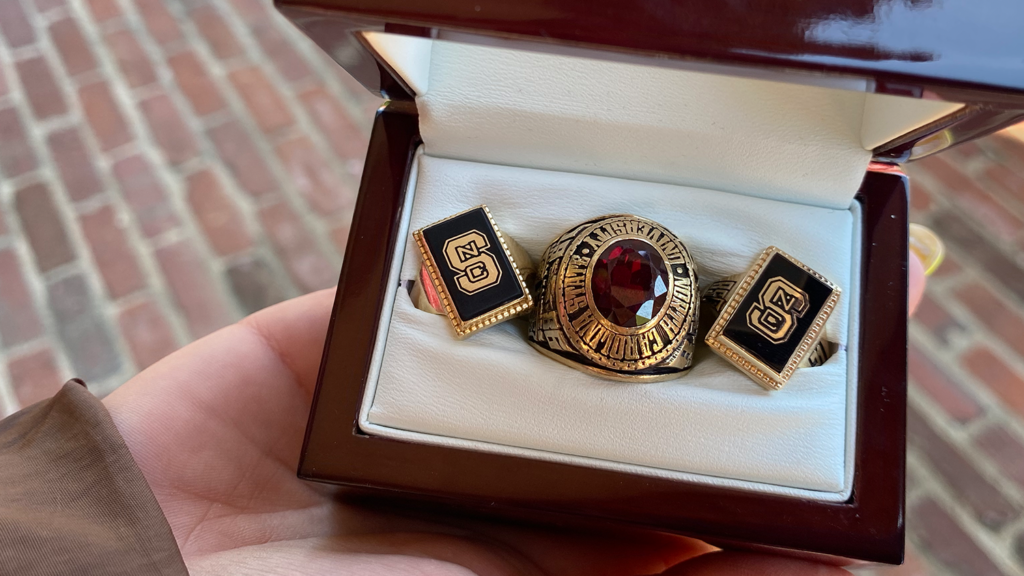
{"points": [[788, 102], [955, 50]]}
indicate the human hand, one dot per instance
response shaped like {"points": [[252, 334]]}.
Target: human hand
{"points": [[216, 429]]}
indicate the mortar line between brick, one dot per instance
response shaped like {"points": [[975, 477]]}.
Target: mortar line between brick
{"points": [[36, 134], [949, 364], [996, 545], [237, 110], [319, 226], [108, 308], [248, 205], [152, 154], [963, 439], [1001, 540]]}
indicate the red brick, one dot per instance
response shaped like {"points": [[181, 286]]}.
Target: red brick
{"points": [[1005, 148], [948, 268], [255, 285], [217, 214], [339, 236], [945, 391], [44, 6], [113, 255], [194, 289], [43, 94], [161, 24], [216, 32], [250, 11], [999, 377], [16, 156], [147, 332], [1005, 450], [1003, 320], [131, 58], [19, 321], [279, 49], [975, 200], [43, 226], [936, 319], [168, 129], [308, 267], [920, 197], [956, 232], [75, 164], [83, 333], [104, 10], [1007, 180], [145, 195], [368, 101], [263, 100], [989, 505], [34, 376], [314, 177], [246, 163], [949, 174], [104, 116], [347, 139], [71, 45], [14, 25], [940, 535], [967, 150], [195, 83]]}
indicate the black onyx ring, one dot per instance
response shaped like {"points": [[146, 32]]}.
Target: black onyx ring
{"points": [[471, 272], [617, 297], [717, 294], [771, 320]]}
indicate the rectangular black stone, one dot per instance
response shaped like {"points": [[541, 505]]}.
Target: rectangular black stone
{"points": [[476, 270], [798, 298]]}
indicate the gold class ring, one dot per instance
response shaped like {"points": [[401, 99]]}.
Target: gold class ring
{"points": [[471, 272], [772, 318], [617, 297]]}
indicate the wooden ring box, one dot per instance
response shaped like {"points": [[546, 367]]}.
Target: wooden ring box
{"points": [[906, 104]]}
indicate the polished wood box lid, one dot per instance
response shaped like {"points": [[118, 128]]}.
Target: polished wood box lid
{"points": [[954, 50]]}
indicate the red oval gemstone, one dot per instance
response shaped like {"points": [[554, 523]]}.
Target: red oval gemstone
{"points": [[629, 283]]}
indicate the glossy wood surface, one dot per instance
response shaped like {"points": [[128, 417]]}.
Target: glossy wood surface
{"points": [[955, 50], [869, 526], [963, 43]]}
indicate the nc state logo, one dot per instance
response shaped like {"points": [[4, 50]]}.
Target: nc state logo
{"points": [[467, 254], [778, 306]]}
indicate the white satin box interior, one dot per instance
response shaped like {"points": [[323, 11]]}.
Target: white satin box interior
{"points": [[729, 162]]}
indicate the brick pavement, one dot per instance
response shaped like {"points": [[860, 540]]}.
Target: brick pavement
{"points": [[169, 166]]}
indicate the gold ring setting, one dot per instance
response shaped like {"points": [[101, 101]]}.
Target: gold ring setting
{"points": [[617, 297]]}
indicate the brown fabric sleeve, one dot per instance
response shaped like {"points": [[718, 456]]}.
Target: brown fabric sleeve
{"points": [[72, 499]]}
